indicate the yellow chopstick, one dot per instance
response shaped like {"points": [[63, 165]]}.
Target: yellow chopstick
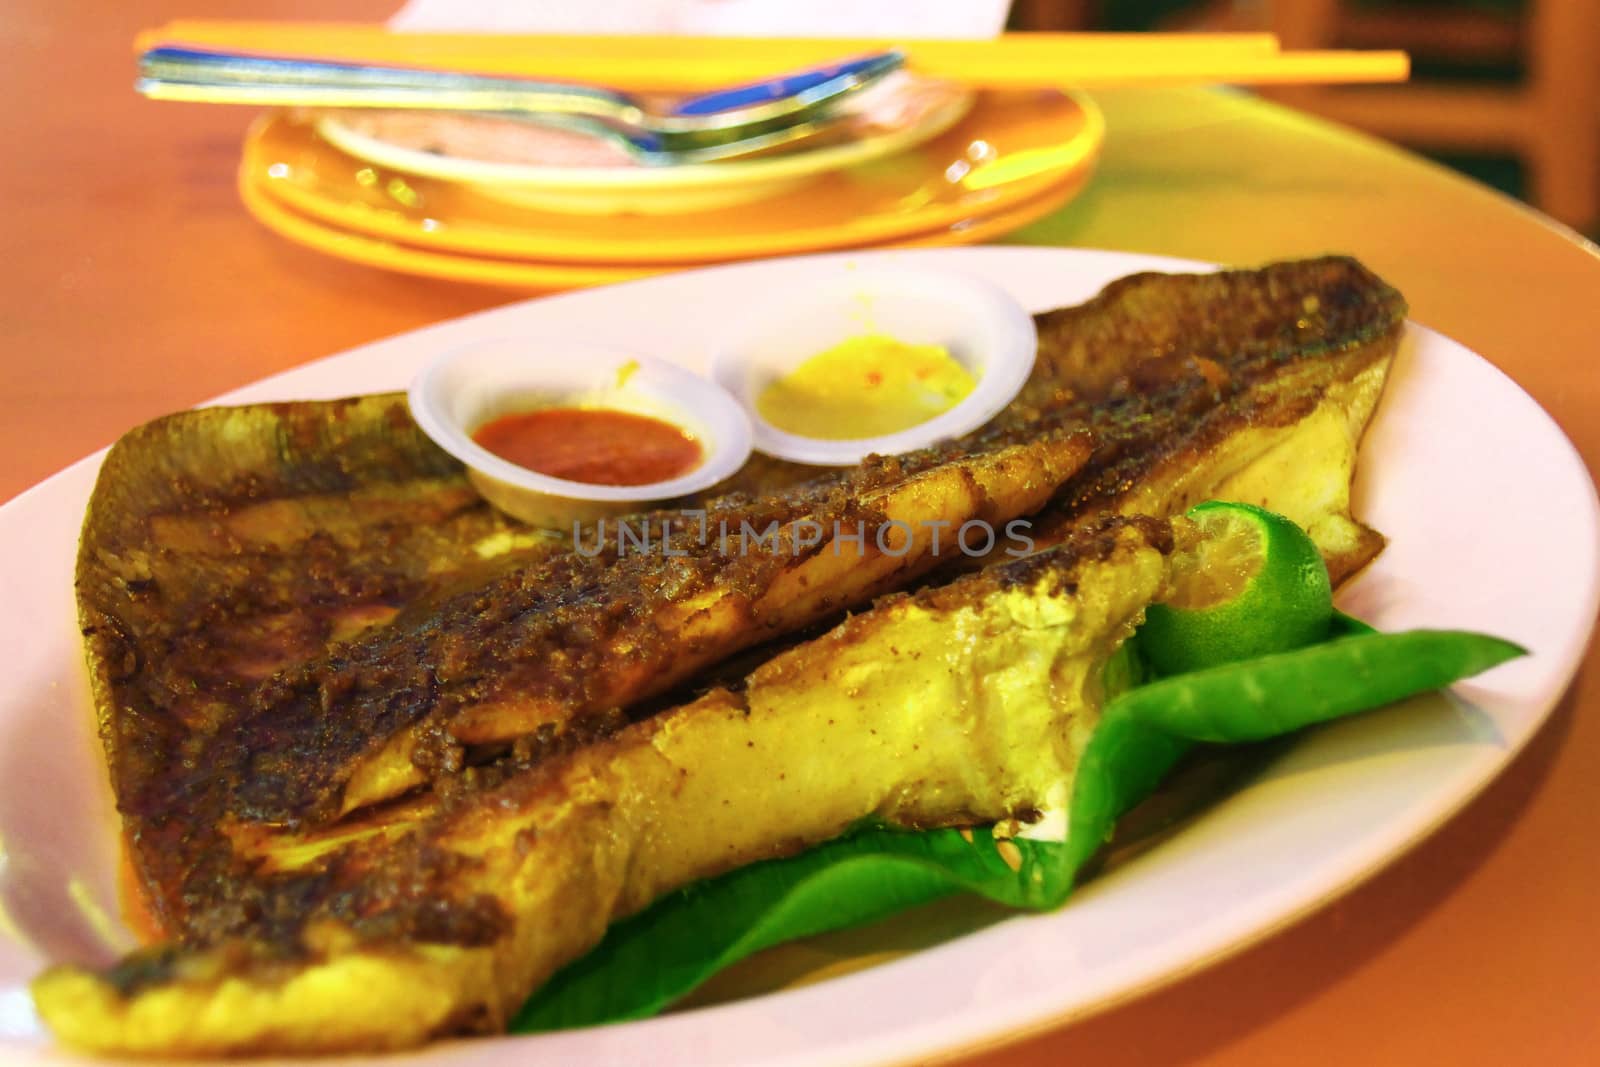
{"points": [[1286, 68], [685, 63], [364, 40], [1012, 61]]}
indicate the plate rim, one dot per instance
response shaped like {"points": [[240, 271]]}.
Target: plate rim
{"points": [[365, 249], [1082, 150]]}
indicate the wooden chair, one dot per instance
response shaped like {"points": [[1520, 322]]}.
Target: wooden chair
{"points": [[1551, 121]]}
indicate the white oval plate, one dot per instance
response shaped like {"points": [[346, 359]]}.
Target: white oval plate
{"points": [[1492, 523]]}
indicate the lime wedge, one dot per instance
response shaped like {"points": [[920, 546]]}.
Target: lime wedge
{"points": [[1250, 583]]}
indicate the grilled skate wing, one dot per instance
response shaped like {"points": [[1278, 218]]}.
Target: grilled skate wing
{"points": [[1250, 385], [842, 572], [1294, 452], [338, 528], [223, 544], [551, 647], [963, 703]]}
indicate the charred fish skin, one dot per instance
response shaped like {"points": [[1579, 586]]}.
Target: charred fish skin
{"points": [[1238, 384], [541, 658], [1149, 332], [960, 703], [224, 543], [1249, 385], [556, 644]]}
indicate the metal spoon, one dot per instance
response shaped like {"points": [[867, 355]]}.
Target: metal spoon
{"points": [[729, 122]]}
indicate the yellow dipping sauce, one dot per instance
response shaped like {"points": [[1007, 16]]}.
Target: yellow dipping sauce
{"points": [[865, 387]]}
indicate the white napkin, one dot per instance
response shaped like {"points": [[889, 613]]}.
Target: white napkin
{"points": [[712, 18]]}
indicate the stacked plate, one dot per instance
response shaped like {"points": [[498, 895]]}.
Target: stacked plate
{"points": [[401, 197]]}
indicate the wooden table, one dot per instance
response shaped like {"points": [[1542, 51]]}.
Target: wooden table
{"points": [[135, 284]]}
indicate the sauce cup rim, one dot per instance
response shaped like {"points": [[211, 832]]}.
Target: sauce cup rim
{"points": [[698, 402], [988, 308]]}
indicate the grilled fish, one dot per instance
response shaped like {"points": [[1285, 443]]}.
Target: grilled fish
{"points": [[1253, 386], [552, 646], [270, 633], [963, 703]]}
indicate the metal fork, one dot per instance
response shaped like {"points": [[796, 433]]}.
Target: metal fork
{"points": [[740, 120]]}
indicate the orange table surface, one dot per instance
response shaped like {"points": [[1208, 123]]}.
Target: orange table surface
{"points": [[132, 283]]}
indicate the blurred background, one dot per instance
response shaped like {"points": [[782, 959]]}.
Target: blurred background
{"points": [[1507, 91]]}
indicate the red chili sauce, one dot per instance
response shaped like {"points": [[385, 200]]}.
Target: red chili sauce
{"points": [[594, 446]]}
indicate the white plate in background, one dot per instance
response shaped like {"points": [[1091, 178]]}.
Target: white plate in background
{"points": [[625, 188]]}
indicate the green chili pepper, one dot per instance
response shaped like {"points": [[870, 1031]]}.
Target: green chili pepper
{"points": [[1146, 730], [1273, 695]]}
